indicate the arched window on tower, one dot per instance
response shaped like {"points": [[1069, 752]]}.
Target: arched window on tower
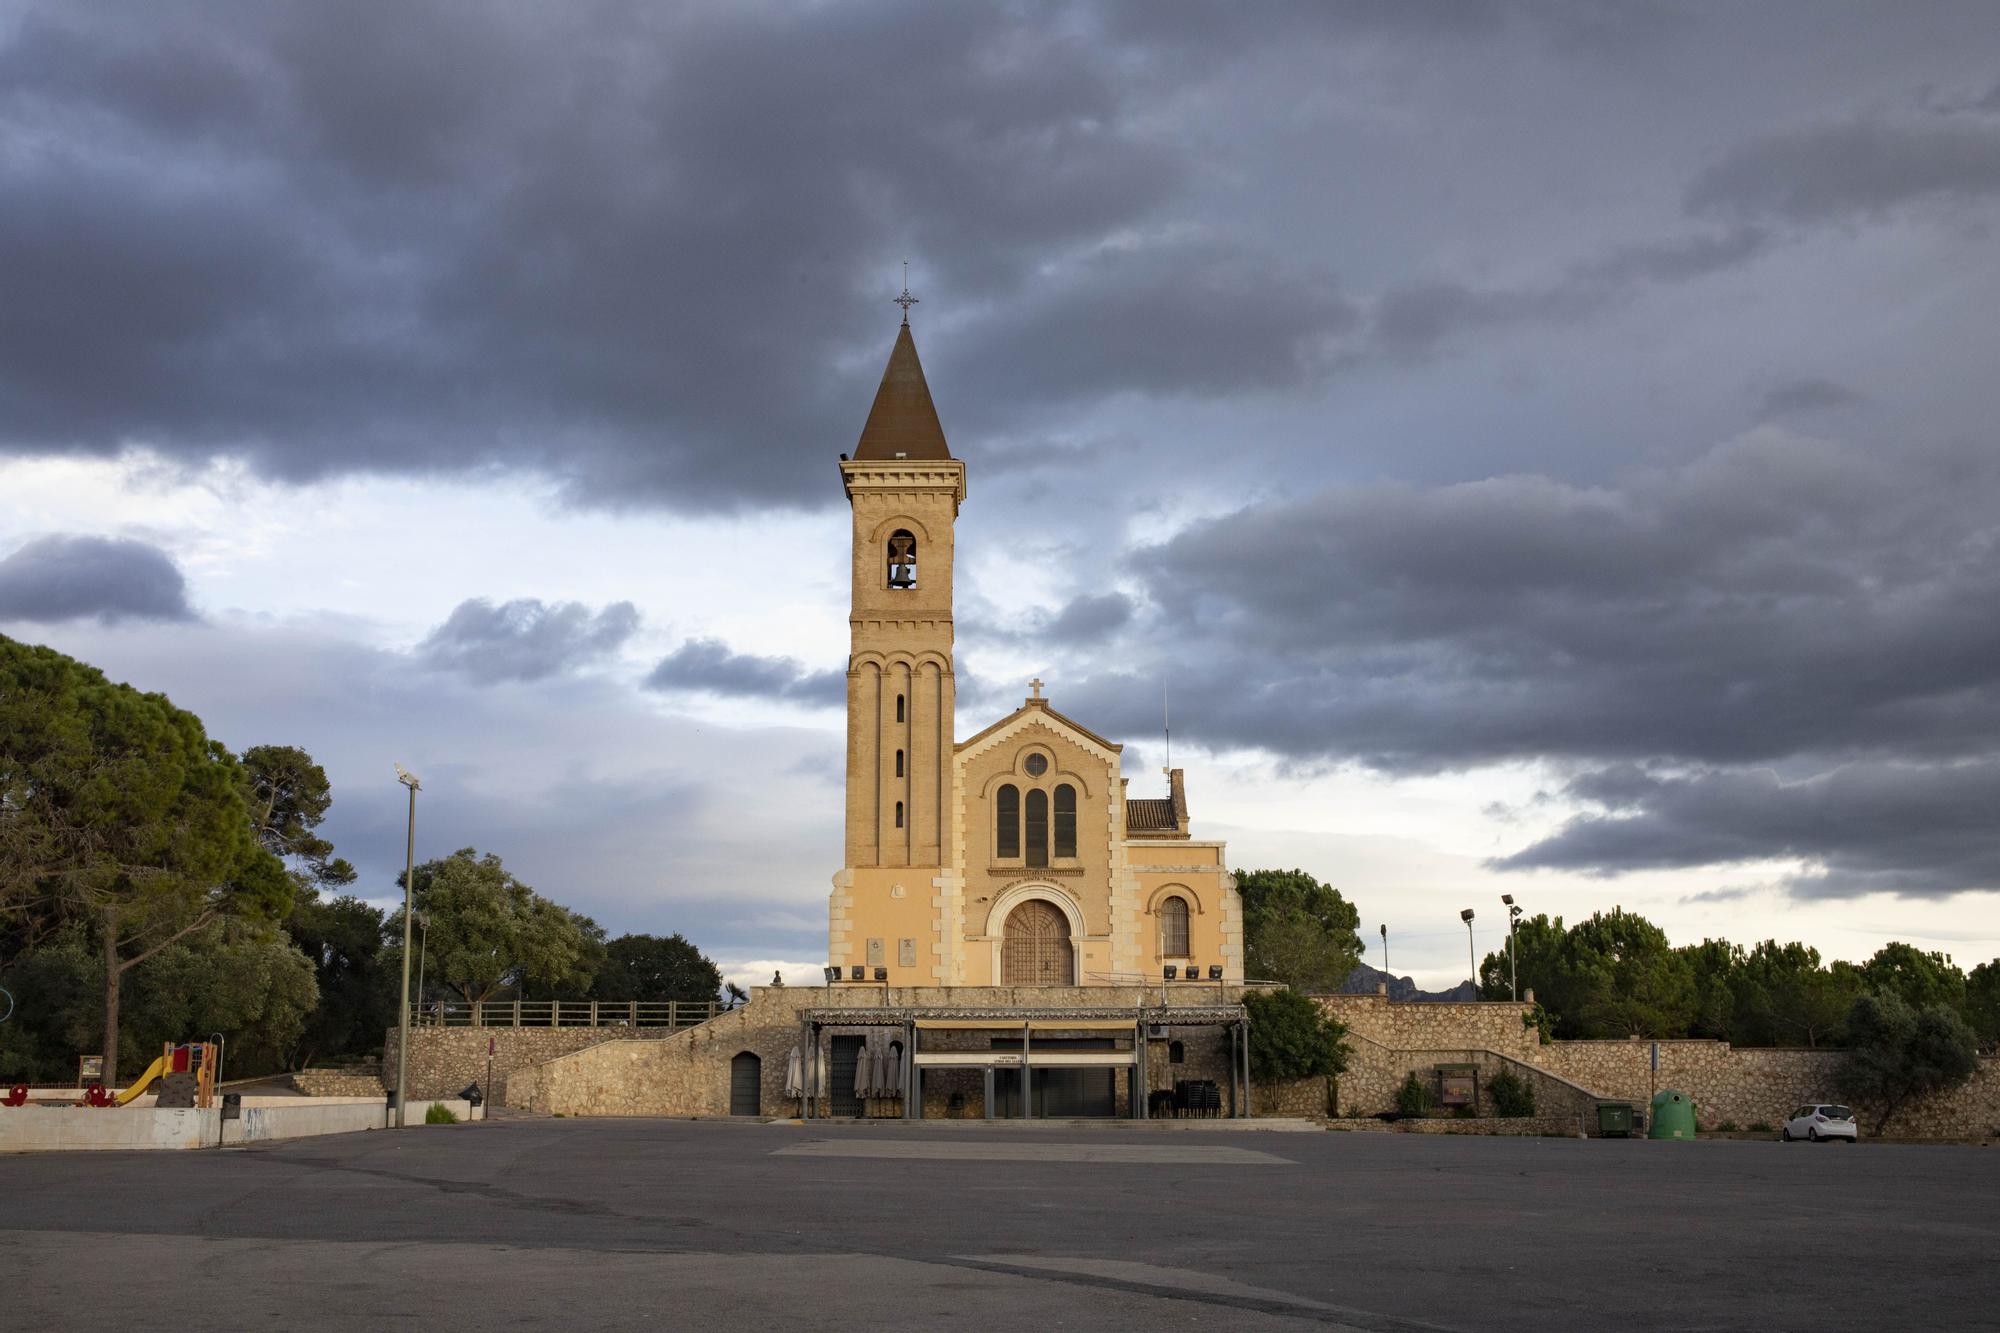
{"points": [[1038, 828], [1173, 928], [1065, 820], [899, 708], [899, 763], [899, 814], [902, 559], [1007, 822]]}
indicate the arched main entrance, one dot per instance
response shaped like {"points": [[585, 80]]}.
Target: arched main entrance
{"points": [[1035, 949]]}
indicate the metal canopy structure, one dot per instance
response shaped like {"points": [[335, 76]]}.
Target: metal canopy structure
{"points": [[1010, 1024]]}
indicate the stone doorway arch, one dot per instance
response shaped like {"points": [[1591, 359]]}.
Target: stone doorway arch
{"points": [[1035, 947]]}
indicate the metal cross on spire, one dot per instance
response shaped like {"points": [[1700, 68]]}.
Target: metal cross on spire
{"points": [[905, 300]]}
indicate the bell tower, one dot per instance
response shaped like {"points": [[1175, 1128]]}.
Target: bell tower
{"points": [[904, 488]]}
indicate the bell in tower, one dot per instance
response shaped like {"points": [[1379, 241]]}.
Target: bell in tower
{"points": [[902, 560]]}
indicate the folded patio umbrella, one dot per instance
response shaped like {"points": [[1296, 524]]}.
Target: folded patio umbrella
{"points": [[795, 1084], [890, 1074], [864, 1074]]}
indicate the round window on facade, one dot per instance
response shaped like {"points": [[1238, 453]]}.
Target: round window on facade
{"points": [[1037, 764]]}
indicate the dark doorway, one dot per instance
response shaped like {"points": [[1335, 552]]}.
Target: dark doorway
{"points": [[746, 1084], [845, 1057]]}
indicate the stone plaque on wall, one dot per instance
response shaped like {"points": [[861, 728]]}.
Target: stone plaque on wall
{"points": [[906, 953], [877, 955]]}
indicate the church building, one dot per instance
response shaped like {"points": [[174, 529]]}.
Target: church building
{"points": [[1014, 857]]}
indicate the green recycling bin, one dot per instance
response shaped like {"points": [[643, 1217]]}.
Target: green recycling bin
{"points": [[1673, 1116], [1614, 1120]]}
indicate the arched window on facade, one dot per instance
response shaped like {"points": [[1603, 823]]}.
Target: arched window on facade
{"points": [[899, 708], [1007, 822], [899, 814], [1176, 1053], [1038, 828], [1066, 821], [902, 559], [899, 763], [1173, 928]]}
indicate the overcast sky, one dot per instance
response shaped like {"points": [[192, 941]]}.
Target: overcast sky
{"points": [[1539, 448]]}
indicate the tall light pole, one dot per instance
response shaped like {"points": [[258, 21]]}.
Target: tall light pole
{"points": [[1466, 917], [408, 779], [1513, 962], [1385, 950]]}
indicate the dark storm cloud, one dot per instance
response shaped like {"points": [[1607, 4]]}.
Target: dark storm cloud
{"points": [[71, 577], [1781, 600], [1858, 168], [1416, 320], [709, 666], [1089, 618], [1084, 621], [647, 250], [1778, 596], [1237, 322], [588, 239], [1917, 830], [526, 639], [1799, 396]]}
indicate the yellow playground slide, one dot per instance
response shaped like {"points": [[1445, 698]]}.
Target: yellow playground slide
{"points": [[145, 1080]]}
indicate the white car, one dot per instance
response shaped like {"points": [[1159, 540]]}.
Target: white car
{"points": [[1821, 1120]]}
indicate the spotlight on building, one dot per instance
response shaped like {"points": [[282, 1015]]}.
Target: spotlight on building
{"points": [[832, 974], [859, 973], [1215, 971], [1172, 971], [881, 974]]}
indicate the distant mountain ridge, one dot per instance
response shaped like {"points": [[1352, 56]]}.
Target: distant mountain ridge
{"points": [[1364, 979]]}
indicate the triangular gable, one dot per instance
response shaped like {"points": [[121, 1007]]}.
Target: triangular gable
{"points": [[1033, 711]]}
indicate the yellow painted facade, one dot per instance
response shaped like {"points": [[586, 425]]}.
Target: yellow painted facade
{"points": [[1013, 857]]}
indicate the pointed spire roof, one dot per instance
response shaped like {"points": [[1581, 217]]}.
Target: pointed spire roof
{"points": [[903, 420]]}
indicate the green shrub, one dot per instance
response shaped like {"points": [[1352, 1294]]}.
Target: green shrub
{"points": [[1415, 1096], [1291, 1037], [1760, 1127], [1726, 1127], [439, 1114], [1513, 1096]]}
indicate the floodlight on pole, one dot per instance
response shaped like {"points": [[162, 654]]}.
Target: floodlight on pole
{"points": [[1385, 948], [408, 779], [1471, 961]]}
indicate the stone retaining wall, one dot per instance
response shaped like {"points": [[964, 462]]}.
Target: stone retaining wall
{"points": [[1742, 1086], [1749, 1085], [1407, 1026], [338, 1083], [445, 1059]]}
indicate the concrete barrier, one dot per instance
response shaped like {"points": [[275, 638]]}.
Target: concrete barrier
{"points": [[47, 1128]]}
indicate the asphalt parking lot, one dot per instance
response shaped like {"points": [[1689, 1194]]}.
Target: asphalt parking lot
{"points": [[624, 1223]]}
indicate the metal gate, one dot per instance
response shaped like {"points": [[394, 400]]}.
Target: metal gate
{"points": [[746, 1084], [846, 1056], [1036, 949]]}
